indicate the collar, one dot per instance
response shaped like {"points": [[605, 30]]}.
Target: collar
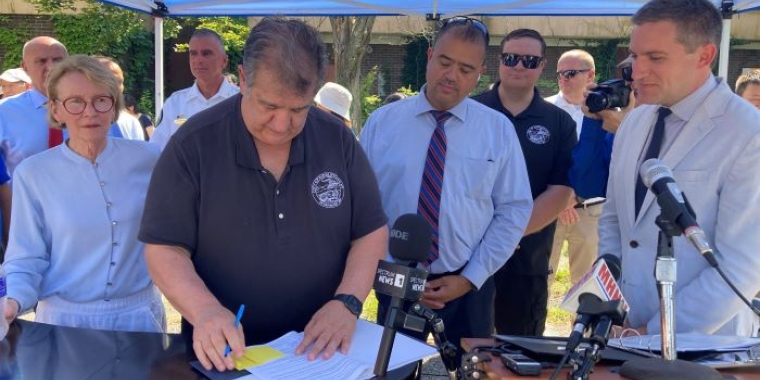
{"points": [[225, 90], [688, 106], [37, 98], [423, 106], [563, 103], [534, 108]]}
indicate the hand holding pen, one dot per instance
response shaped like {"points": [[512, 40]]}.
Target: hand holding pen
{"points": [[214, 330], [237, 323]]}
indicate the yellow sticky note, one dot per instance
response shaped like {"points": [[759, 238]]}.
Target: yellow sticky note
{"points": [[256, 356]]}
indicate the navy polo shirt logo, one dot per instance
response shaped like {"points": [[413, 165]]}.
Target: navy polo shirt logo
{"points": [[538, 134], [328, 190]]}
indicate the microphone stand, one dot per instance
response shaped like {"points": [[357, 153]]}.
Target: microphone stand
{"points": [[665, 270], [671, 368], [446, 349], [593, 354]]}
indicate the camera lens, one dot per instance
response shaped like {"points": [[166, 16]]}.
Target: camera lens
{"points": [[596, 101]]}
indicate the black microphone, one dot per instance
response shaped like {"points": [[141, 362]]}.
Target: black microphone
{"points": [[674, 206], [590, 304], [410, 243]]}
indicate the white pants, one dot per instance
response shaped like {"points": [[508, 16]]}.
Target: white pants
{"points": [[142, 311]]}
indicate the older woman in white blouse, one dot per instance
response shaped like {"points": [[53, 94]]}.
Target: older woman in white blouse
{"points": [[73, 247]]}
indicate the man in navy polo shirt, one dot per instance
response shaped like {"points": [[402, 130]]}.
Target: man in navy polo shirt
{"points": [[547, 137], [266, 201]]}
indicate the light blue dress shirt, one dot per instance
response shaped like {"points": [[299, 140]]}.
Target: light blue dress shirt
{"points": [[74, 224], [485, 201]]}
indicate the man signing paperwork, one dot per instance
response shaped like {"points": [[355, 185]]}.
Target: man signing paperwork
{"points": [[266, 201]]}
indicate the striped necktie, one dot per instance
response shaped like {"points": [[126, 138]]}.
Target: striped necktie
{"points": [[653, 151], [429, 201]]}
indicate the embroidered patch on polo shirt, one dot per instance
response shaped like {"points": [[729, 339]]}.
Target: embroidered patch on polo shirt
{"points": [[328, 190], [538, 134]]}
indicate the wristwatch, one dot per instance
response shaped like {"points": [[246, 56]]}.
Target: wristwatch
{"points": [[351, 302]]}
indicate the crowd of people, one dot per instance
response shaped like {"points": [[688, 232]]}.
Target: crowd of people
{"points": [[259, 195]]}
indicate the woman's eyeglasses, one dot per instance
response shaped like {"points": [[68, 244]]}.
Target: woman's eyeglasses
{"points": [[570, 74], [466, 20], [76, 105], [528, 61]]}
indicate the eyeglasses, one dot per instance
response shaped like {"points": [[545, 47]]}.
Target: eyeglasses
{"points": [[528, 61], [467, 20], [76, 105], [570, 74]]}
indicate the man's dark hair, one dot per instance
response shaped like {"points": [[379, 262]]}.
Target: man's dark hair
{"points": [[524, 33], [698, 22], [746, 79], [291, 48], [208, 33], [465, 31]]}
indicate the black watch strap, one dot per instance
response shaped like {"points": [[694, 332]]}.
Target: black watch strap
{"points": [[351, 302]]}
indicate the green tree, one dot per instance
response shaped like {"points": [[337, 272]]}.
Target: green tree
{"points": [[233, 30], [351, 36], [89, 27], [13, 41], [415, 61]]}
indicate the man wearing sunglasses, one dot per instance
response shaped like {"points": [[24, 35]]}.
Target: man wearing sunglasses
{"points": [[547, 136], [577, 223], [475, 195]]}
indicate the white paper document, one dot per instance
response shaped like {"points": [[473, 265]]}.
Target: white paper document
{"points": [[358, 364], [689, 342]]}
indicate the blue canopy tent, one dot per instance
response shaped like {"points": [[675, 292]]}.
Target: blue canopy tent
{"points": [[431, 8]]}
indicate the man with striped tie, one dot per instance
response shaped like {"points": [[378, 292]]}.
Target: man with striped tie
{"points": [[458, 164]]}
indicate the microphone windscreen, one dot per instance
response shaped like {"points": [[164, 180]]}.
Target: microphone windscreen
{"points": [[652, 170], [613, 264], [410, 238]]}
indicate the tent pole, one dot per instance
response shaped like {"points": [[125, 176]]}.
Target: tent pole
{"points": [[727, 10], [158, 43]]}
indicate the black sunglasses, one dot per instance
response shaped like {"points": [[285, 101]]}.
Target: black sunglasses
{"points": [[528, 61], [570, 74], [456, 20]]}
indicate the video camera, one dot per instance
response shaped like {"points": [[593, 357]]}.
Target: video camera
{"points": [[608, 94]]}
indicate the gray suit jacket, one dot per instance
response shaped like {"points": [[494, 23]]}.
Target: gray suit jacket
{"points": [[715, 160]]}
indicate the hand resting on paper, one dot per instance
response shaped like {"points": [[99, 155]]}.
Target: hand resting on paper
{"points": [[331, 328]]}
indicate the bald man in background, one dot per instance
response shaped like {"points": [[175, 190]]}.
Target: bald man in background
{"points": [[24, 129]]}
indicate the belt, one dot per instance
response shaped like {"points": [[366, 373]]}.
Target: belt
{"points": [[435, 276], [586, 203]]}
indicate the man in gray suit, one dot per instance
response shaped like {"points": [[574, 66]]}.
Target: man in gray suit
{"points": [[711, 141]]}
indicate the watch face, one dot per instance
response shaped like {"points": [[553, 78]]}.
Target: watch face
{"points": [[352, 303]]}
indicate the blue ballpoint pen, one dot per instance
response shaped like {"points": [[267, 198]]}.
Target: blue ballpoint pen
{"points": [[237, 323]]}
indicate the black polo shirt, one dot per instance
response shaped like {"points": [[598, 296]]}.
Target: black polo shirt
{"points": [[547, 138], [279, 248]]}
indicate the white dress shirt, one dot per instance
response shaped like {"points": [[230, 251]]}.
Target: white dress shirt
{"points": [[185, 103]]}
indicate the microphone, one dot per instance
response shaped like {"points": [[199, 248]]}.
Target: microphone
{"points": [[674, 206], [587, 298], [409, 244]]}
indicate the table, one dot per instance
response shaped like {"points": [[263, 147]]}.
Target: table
{"points": [[496, 370], [37, 351]]}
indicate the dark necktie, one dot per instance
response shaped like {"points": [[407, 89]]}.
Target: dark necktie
{"points": [[429, 201], [653, 151]]}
